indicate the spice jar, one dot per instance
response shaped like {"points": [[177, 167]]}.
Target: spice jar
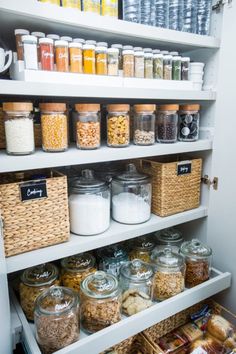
{"points": [[46, 54], [76, 268], [128, 61], [100, 301], [131, 196], [91, 6], [176, 66], [110, 8], [141, 248], [54, 126], [79, 40], [19, 44], [19, 128], [169, 274], [74, 4], [144, 124], [55, 38], [76, 57], [30, 52], [136, 283], [198, 262], [62, 56], [111, 258], [167, 123], [138, 62], [56, 319], [157, 64], [34, 281], [38, 35], [189, 122], [89, 196], [120, 48], [185, 64], [89, 57], [101, 58], [88, 129], [67, 39], [148, 63], [118, 133], [167, 66], [113, 61], [171, 238]]}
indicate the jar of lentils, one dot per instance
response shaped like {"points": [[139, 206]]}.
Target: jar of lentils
{"points": [[88, 128], [189, 122], [144, 124], [167, 123], [118, 132]]}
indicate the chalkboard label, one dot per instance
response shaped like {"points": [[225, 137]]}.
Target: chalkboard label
{"points": [[34, 190], [184, 168]]}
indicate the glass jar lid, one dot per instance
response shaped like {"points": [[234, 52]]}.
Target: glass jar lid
{"points": [[100, 285], [132, 175], [169, 236], [87, 183], [196, 249], [167, 259], [144, 243], [114, 252], [78, 262], [136, 270], [43, 274]]}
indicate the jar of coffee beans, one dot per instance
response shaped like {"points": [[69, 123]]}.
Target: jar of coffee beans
{"points": [[167, 123]]}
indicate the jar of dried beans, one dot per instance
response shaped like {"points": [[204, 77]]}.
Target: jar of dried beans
{"points": [[198, 262], [118, 132], [128, 61], [88, 126], [62, 56], [144, 124], [54, 126], [101, 58], [76, 57], [167, 123], [89, 57], [46, 54]]}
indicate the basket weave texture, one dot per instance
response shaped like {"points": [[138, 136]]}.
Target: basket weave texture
{"points": [[127, 346]]}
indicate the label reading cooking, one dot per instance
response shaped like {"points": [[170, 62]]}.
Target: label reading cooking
{"points": [[184, 168], [36, 190]]}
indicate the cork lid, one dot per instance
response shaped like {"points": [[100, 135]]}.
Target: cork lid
{"points": [[87, 107], [118, 107], [144, 107], [17, 106], [169, 107], [52, 107], [190, 107]]}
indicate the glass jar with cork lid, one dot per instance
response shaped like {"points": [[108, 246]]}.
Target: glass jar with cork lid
{"points": [[167, 123], [118, 130], [144, 124]]}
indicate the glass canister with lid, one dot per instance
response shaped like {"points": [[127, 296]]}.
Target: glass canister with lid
{"points": [[128, 61], [120, 48], [88, 126], [157, 64], [100, 301], [56, 319], [118, 130], [131, 196], [89, 196], [167, 65], [148, 63], [111, 258], [144, 124], [198, 262], [136, 283], [112, 61], [169, 274], [34, 281], [76, 268], [138, 62], [89, 57], [101, 58], [170, 237], [141, 248], [176, 66], [189, 122], [167, 123]]}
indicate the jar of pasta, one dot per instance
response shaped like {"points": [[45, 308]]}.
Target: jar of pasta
{"points": [[89, 57], [33, 282], [141, 248], [118, 132], [76, 57], [54, 127], [101, 58], [62, 56], [128, 61], [76, 268], [88, 126]]}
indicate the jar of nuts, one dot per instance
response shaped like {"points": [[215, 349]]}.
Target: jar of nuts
{"points": [[88, 126], [111, 258], [141, 248], [170, 237], [169, 274], [118, 132], [100, 301], [144, 124], [198, 262], [56, 319], [76, 268], [33, 282], [167, 123]]}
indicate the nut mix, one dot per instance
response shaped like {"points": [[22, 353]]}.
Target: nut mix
{"points": [[144, 138], [166, 285], [134, 301], [88, 134]]}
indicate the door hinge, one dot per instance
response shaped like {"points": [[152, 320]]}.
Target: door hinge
{"points": [[220, 3], [214, 183]]}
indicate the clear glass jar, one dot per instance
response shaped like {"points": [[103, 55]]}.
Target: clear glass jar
{"points": [[118, 132], [89, 57], [167, 67], [100, 301], [91, 6], [185, 64], [76, 57], [88, 126], [120, 48], [189, 122], [74, 4], [110, 8], [76, 268], [167, 123], [141, 248], [38, 35], [46, 54], [113, 61], [30, 52], [169, 274], [54, 127], [131, 197], [67, 39], [138, 62], [128, 61], [136, 283], [19, 44], [157, 64], [101, 58], [131, 10], [176, 66], [62, 55], [170, 237], [148, 63], [89, 200], [55, 38], [144, 124], [111, 258], [19, 128], [56, 319], [198, 262], [34, 281]]}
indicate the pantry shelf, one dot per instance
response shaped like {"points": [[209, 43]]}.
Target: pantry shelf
{"points": [[129, 326], [116, 233], [78, 157]]}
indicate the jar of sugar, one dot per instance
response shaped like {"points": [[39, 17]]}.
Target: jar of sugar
{"points": [[89, 205], [131, 196]]}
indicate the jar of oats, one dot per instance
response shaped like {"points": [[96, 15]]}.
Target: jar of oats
{"points": [[118, 130], [33, 282], [88, 126], [54, 127]]}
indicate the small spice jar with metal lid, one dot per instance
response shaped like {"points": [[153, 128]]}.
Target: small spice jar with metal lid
{"points": [[136, 282], [76, 57], [19, 128], [167, 123], [118, 132], [185, 65], [198, 262], [141, 248], [33, 282], [54, 127], [38, 35], [128, 61], [157, 64], [76, 268], [101, 58], [100, 301], [46, 51], [89, 58], [169, 274], [189, 117], [111, 258], [68, 39], [55, 38], [170, 237], [56, 319], [176, 66], [138, 62], [113, 61], [167, 65], [120, 48], [19, 44], [30, 52], [148, 63], [144, 124], [88, 126], [62, 55]]}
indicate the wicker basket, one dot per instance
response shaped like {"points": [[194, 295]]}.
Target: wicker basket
{"points": [[175, 185], [37, 223], [125, 347], [2, 131]]}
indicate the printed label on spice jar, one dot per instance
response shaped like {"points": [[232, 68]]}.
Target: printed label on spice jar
{"points": [[184, 168], [36, 190]]}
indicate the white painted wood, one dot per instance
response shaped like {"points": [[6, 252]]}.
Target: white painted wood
{"points": [[16, 326]]}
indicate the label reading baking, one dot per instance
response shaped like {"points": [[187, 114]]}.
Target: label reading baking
{"points": [[184, 168], [35, 190]]}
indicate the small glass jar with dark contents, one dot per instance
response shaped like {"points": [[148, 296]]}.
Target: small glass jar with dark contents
{"points": [[189, 122], [167, 123]]}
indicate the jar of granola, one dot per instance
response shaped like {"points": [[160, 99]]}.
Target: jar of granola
{"points": [[88, 126], [118, 130], [141, 248]]}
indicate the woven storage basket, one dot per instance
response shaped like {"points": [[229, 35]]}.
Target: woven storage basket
{"points": [[37, 223], [173, 192], [125, 347], [2, 131]]}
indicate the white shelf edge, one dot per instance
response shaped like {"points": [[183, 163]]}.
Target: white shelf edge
{"points": [[16, 326], [116, 233]]}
